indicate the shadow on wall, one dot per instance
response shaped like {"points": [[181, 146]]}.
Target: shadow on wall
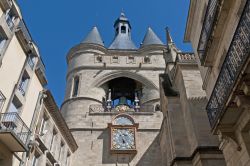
{"points": [[152, 155]]}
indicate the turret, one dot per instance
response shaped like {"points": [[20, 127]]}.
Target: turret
{"points": [[93, 37], [151, 38], [122, 38]]}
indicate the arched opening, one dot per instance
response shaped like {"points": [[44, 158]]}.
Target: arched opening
{"points": [[124, 91], [123, 29]]}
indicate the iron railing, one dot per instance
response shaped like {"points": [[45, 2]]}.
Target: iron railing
{"points": [[21, 89], [236, 58], [2, 100], [207, 27], [11, 122], [95, 108]]}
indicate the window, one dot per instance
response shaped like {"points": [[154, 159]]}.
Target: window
{"points": [[3, 40], [53, 139], [123, 29], [2, 100], [31, 61], [146, 59], [15, 105], [43, 126], [34, 161], [131, 59], [10, 19], [75, 86], [61, 151], [115, 59], [24, 83], [68, 159], [98, 59]]}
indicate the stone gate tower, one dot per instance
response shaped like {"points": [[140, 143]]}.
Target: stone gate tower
{"points": [[112, 98]]}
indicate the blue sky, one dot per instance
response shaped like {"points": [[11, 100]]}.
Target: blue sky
{"points": [[58, 25]]}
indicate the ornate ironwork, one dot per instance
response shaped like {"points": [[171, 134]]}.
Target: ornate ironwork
{"points": [[207, 27], [21, 89], [11, 122], [94, 108], [236, 58]]}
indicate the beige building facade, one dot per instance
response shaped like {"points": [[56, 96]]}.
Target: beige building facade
{"points": [[22, 93], [220, 35]]}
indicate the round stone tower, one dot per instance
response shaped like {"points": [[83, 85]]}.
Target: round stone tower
{"points": [[103, 82]]}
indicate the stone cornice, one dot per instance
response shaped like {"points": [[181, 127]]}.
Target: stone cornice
{"points": [[83, 47], [189, 22], [153, 68], [59, 120], [79, 98], [96, 49]]}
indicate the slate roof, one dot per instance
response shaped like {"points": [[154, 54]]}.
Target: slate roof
{"points": [[151, 38], [93, 37], [122, 40]]}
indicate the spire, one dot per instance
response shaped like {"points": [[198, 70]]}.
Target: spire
{"points": [[169, 38], [122, 38], [93, 37], [151, 38]]}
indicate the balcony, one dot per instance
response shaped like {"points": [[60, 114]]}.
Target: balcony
{"points": [[21, 89], [13, 132], [232, 67], [95, 108], [207, 28]]}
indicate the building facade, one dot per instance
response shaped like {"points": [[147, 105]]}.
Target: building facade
{"points": [[22, 91], [129, 105], [115, 111], [185, 137], [220, 35], [115, 89]]}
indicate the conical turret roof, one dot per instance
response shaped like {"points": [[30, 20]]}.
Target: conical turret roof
{"points": [[169, 38], [94, 37], [151, 38]]}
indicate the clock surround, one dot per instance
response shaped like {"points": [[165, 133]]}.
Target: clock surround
{"points": [[123, 134]]}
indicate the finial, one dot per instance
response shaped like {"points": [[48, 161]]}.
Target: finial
{"points": [[169, 38]]}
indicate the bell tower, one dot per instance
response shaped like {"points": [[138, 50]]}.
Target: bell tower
{"points": [[112, 98]]}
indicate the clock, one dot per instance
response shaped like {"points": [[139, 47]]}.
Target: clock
{"points": [[123, 134], [123, 139]]}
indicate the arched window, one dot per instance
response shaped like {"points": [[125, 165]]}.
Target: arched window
{"points": [[75, 86], [123, 29]]}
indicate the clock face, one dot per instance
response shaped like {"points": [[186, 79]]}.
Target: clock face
{"points": [[123, 139]]}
